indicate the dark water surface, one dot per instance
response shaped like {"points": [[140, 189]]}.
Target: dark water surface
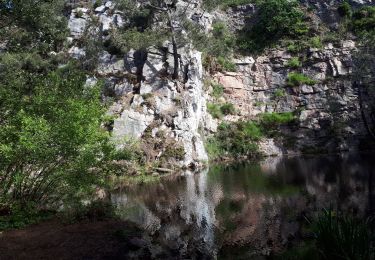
{"points": [[252, 209]]}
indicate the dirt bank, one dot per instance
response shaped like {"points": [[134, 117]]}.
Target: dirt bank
{"points": [[110, 239]]}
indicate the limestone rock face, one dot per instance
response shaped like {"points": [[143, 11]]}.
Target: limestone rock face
{"points": [[131, 124], [153, 98], [78, 22], [179, 108], [259, 86]]}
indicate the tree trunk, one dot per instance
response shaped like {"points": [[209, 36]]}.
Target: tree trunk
{"points": [[174, 45]]}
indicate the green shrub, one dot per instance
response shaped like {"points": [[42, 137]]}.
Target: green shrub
{"points": [[122, 42], [212, 4], [130, 151], [272, 120], [297, 79], [175, 151], [343, 237], [97, 3], [295, 47], [279, 93], [344, 9], [363, 22], [214, 110], [294, 63], [228, 109], [217, 90], [219, 43], [213, 148], [18, 216], [315, 42], [239, 138], [218, 111], [226, 65], [276, 19]]}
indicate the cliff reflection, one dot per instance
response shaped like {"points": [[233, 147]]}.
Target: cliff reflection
{"points": [[249, 209]]}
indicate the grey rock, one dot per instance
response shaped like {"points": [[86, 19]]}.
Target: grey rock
{"points": [[100, 9], [131, 124]]}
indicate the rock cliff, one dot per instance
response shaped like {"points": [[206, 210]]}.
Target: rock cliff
{"points": [[149, 103]]}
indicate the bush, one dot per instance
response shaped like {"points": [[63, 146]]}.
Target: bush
{"points": [[228, 109], [279, 93], [213, 148], [296, 79], [214, 110], [226, 65], [217, 90], [219, 43], [239, 139], [18, 216], [343, 237], [294, 63], [272, 120], [363, 22], [122, 42], [344, 9], [212, 4], [276, 19], [174, 151], [218, 111], [315, 42], [295, 47]]}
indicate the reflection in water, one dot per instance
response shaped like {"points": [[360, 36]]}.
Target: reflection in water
{"points": [[248, 209]]}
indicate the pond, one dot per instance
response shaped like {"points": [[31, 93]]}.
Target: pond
{"points": [[248, 210]]}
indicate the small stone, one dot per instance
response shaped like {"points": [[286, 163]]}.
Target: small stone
{"points": [[307, 89], [100, 9], [108, 4]]}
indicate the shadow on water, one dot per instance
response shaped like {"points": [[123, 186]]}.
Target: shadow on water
{"points": [[250, 209]]}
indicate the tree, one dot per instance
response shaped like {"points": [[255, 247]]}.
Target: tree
{"points": [[275, 19], [51, 143], [50, 138]]}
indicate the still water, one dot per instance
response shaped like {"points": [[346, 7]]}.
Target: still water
{"points": [[249, 209]]}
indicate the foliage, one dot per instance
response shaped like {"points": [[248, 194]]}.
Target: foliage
{"points": [[296, 79], [294, 47], [294, 63], [33, 25], [363, 23], [19, 217], [51, 139], [344, 9], [343, 237], [217, 46], [226, 65], [214, 110], [122, 42], [237, 139], [315, 42], [138, 16], [276, 19], [218, 111], [212, 4], [217, 90], [228, 109], [279, 93], [272, 120], [213, 148], [175, 151]]}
